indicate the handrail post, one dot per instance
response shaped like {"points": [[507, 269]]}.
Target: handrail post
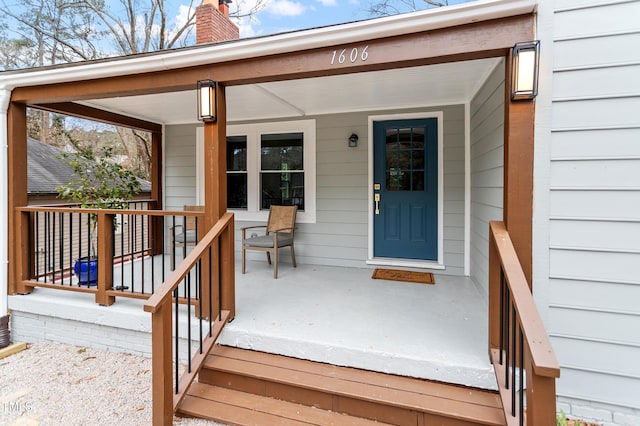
{"points": [[105, 259], [541, 396], [157, 225], [161, 360], [23, 254], [227, 263]]}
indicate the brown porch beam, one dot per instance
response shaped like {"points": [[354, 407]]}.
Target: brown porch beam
{"points": [[464, 42], [83, 111], [461, 43]]}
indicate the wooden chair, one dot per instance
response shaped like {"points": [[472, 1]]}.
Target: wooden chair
{"points": [[184, 237], [279, 232]]}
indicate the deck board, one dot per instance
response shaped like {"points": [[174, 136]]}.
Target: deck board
{"points": [[347, 389], [254, 409], [431, 388]]}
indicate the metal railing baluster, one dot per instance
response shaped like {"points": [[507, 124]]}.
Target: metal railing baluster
{"points": [[219, 244], [36, 216], [513, 360], [200, 304], [210, 295], [142, 221], [177, 340], [521, 386], [188, 284], [507, 322], [70, 248], [502, 284]]}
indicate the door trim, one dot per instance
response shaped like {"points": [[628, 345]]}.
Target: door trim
{"points": [[439, 264]]}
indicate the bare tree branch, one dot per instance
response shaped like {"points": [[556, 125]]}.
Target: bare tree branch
{"points": [[394, 7]]}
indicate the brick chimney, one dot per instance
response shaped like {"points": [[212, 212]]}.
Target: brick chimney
{"points": [[213, 24]]}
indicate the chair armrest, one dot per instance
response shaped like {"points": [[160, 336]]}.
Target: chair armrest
{"points": [[281, 232], [244, 230], [285, 229], [252, 227]]}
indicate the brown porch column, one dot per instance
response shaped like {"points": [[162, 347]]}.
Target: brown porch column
{"points": [[156, 192], [215, 163], [17, 175], [518, 173], [215, 196]]}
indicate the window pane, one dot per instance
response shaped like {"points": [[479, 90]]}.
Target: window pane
{"points": [[237, 190], [281, 151], [404, 138], [405, 159], [418, 137], [237, 172], [236, 153], [418, 159], [282, 189], [398, 180]]}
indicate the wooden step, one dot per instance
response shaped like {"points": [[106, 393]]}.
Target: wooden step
{"points": [[241, 408], [375, 396]]}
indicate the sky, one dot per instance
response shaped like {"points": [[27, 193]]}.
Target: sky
{"points": [[287, 15]]}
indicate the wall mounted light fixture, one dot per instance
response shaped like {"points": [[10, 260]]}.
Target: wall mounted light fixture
{"points": [[353, 140], [207, 105], [524, 76]]}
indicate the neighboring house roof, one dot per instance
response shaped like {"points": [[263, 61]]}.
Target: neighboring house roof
{"points": [[47, 170]]}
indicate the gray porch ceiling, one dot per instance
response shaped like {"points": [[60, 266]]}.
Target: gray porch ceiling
{"points": [[440, 84]]}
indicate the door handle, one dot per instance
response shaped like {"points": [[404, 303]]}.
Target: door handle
{"points": [[376, 198]]}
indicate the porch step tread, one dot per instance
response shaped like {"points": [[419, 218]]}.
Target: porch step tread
{"points": [[251, 371], [214, 403]]}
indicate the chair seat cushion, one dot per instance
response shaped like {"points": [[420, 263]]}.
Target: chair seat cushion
{"points": [[266, 241], [190, 237]]}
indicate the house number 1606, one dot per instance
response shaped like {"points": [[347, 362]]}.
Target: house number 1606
{"points": [[352, 55]]}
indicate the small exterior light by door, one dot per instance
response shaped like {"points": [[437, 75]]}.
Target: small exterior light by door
{"points": [[353, 140], [524, 78], [207, 105]]}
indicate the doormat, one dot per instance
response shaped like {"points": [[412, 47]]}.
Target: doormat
{"points": [[399, 275]]}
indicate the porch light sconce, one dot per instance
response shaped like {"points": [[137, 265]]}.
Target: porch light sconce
{"points": [[353, 140], [524, 75], [207, 103]]}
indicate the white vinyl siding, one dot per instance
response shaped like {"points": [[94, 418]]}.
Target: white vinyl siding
{"points": [[179, 166], [593, 214], [487, 169], [339, 235]]}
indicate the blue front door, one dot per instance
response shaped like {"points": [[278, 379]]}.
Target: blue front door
{"points": [[405, 161]]}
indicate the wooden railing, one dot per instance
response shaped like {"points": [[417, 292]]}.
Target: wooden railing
{"points": [[525, 364], [213, 261], [128, 245]]}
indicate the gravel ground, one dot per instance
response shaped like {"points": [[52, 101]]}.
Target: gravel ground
{"points": [[58, 384]]}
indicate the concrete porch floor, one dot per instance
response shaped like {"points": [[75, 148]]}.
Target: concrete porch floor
{"points": [[328, 314], [342, 316]]}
